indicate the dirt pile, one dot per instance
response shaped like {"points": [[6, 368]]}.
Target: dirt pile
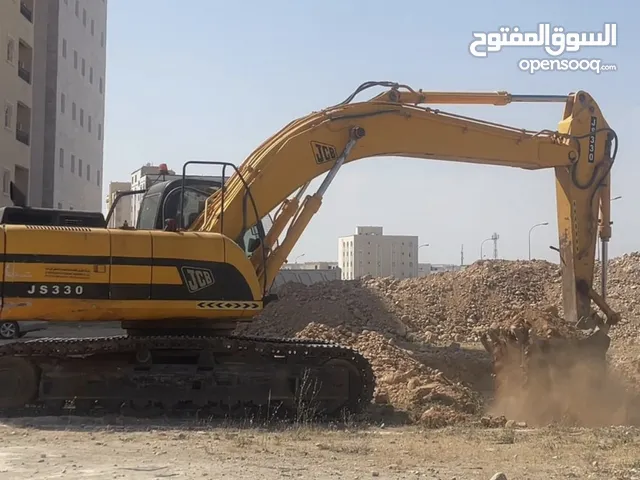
{"points": [[411, 330], [623, 294], [403, 380], [438, 309]]}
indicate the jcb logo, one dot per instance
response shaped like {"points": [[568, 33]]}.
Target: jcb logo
{"points": [[323, 152], [197, 278]]}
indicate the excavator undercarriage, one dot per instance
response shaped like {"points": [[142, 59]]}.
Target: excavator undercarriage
{"points": [[203, 375]]}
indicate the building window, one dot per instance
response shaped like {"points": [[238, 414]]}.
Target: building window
{"points": [[101, 85], [59, 206], [73, 111], [6, 181], [84, 17], [61, 158], [82, 117], [63, 99], [80, 167], [89, 173], [91, 75], [73, 163], [8, 116], [64, 48], [102, 39], [75, 59], [98, 177], [11, 50], [89, 123], [99, 131], [78, 8], [82, 67], [93, 25]]}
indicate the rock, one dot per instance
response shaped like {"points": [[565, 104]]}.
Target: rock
{"points": [[499, 476]]}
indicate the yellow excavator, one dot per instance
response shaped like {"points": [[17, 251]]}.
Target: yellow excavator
{"points": [[203, 256]]}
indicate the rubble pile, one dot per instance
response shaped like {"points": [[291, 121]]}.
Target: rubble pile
{"points": [[403, 381], [459, 306], [438, 309], [411, 330], [623, 294]]}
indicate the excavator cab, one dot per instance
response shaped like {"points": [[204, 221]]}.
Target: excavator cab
{"points": [[161, 203], [160, 208]]}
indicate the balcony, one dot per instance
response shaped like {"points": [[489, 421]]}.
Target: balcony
{"points": [[23, 124], [25, 60], [26, 9]]}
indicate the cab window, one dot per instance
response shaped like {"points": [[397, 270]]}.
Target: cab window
{"points": [[148, 212], [249, 239], [192, 205]]}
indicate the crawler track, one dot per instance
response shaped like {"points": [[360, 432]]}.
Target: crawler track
{"points": [[216, 376]]}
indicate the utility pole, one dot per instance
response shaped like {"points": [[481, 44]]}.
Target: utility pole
{"points": [[462, 255], [495, 238]]}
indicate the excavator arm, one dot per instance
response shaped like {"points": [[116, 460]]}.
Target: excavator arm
{"points": [[398, 122]]}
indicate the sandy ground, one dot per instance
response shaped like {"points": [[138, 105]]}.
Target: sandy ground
{"points": [[57, 448], [52, 448]]}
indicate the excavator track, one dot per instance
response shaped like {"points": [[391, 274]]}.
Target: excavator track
{"points": [[206, 375]]}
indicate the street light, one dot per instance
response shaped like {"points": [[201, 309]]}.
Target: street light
{"points": [[419, 247], [482, 245], [296, 260], [530, 230]]}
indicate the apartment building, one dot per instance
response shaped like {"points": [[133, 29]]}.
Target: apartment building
{"points": [[69, 101], [16, 93], [122, 212], [370, 252]]}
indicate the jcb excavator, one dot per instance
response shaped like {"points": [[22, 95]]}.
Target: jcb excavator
{"points": [[201, 260]]}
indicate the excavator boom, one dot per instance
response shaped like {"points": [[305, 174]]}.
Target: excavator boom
{"points": [[397, 122]]}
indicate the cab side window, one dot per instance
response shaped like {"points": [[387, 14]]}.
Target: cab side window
{"points": [[249, 240]]}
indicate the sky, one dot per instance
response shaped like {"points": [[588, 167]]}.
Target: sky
{"points": [[211, 80]]}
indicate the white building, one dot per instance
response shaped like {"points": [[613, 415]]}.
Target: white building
{"points": [[369, 252], [122, 212], [311, 266], [141, 179], [69, 99], [425, 269], [148, 175], [16, 96]]}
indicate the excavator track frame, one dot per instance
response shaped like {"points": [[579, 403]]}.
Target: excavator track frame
{"points": [[216, 376]]}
